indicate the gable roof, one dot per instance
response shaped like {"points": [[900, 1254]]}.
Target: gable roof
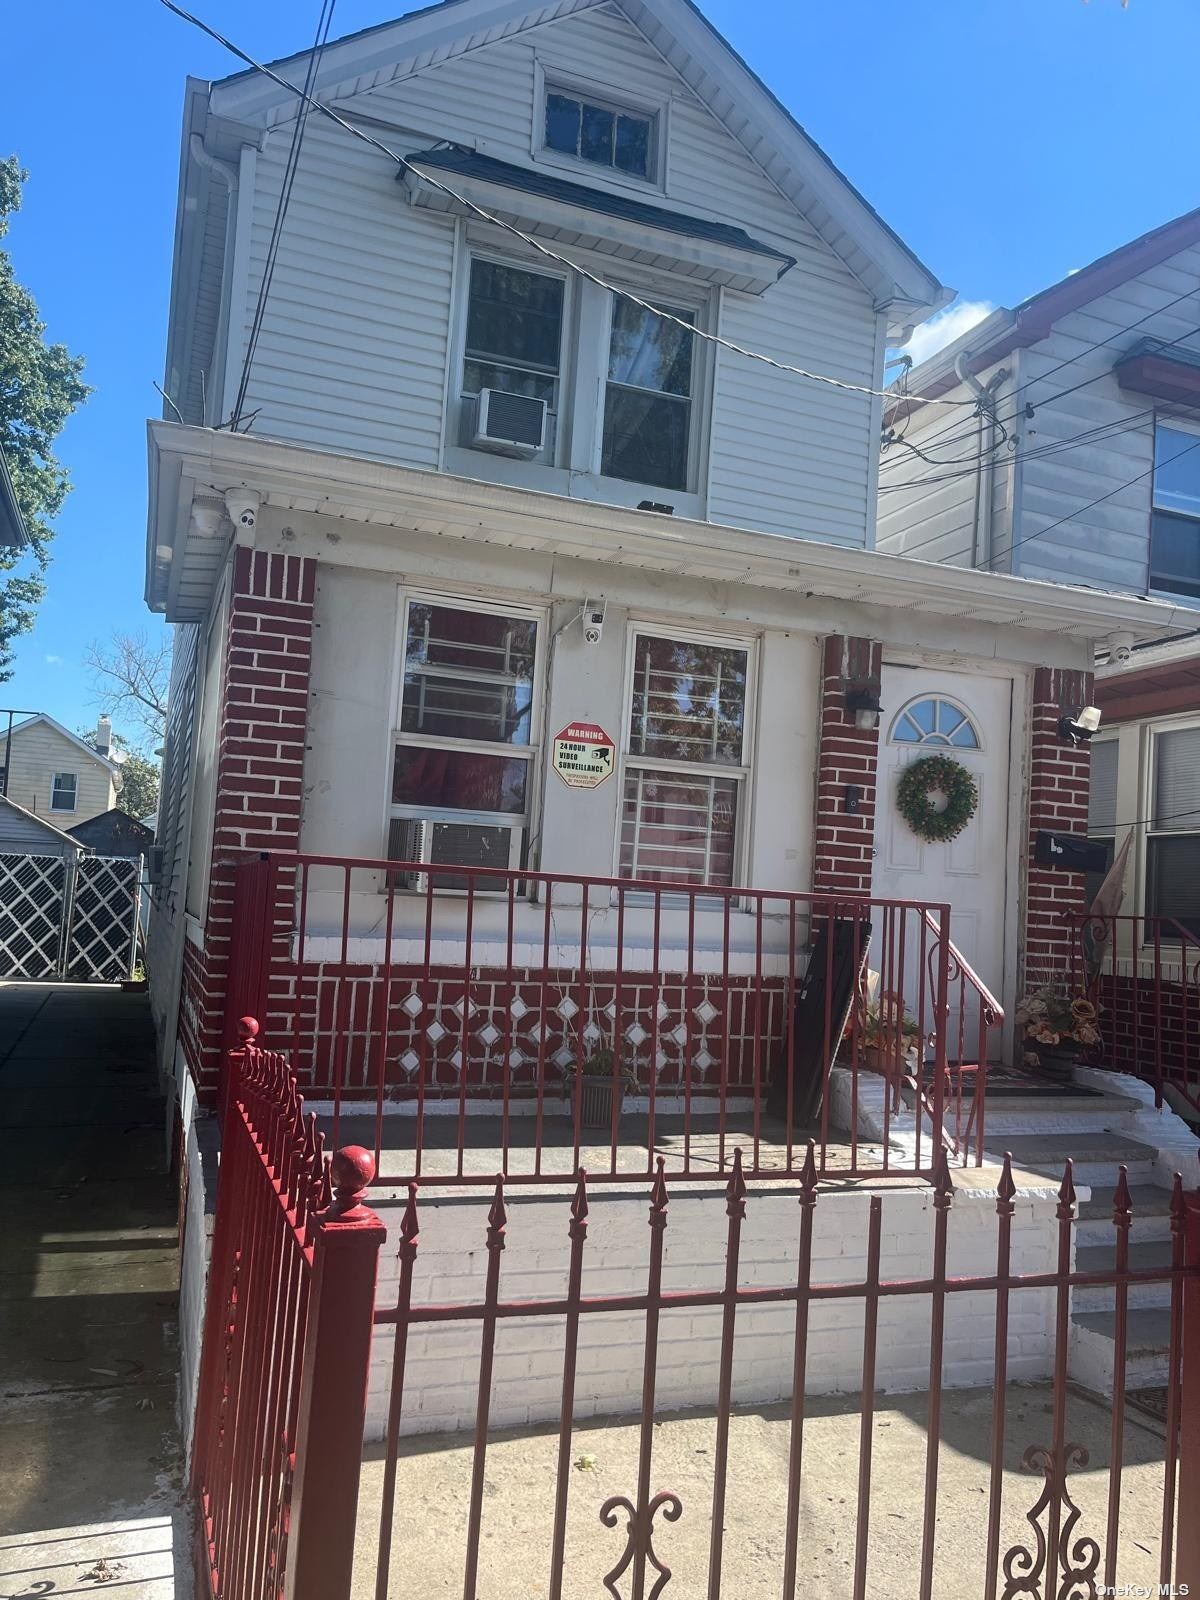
{"points": [[42, 716], [703, 60], [112, 829], [1034, 319], [39, 822]]}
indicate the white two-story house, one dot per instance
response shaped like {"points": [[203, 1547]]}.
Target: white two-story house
{"points": [[516, 510]]}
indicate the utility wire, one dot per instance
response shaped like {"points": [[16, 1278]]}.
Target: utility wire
{"points": [[537, 244], [324, 22]]}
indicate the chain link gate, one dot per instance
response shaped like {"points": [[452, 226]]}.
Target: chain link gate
{"points": [[69, 917]]}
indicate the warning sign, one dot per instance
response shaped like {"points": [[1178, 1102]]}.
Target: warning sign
{"points": [[584, 755]]}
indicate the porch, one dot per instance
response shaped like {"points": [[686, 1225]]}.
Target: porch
{"points": [[463, 1021]]}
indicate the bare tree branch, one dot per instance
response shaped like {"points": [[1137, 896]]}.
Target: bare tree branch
{"points": [[130, 674]]}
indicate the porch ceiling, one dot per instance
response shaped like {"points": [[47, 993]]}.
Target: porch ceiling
{"points": [[189, 536]]}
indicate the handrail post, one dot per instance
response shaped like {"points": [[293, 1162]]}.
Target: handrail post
{"points": [[1187, 1550], [333, 1387], [251, 949], [941, 1025]]}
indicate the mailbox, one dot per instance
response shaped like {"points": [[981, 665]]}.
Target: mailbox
{"points": [[1070, 852]]}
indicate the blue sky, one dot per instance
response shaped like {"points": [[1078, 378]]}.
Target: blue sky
{"points": [[1008, 141]]}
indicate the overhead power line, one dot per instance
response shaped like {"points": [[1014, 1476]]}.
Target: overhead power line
{"points": [[538, 245]]}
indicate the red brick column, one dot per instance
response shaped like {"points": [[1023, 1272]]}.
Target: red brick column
{"points": [[844, 841], [1059, 776], [261, 733]]}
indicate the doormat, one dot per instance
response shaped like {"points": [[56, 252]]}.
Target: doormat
{"points": [[1013, 1083]]}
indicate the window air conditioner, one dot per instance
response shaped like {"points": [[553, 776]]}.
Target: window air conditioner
{"points": [[508, 424]]}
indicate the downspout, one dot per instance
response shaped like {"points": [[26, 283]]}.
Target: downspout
{"points": [[228, 175], [985, 460]]}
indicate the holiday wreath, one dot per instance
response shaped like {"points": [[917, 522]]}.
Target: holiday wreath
{"points": [[919, 780]]}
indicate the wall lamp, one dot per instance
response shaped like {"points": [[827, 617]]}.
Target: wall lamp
{"points": [[863, 700], [1078, 729]]}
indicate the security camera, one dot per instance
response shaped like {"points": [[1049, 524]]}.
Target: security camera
{"points": [[242, 505], [1120, 649], [593, 620]]}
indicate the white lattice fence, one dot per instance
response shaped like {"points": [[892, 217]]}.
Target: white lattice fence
{"points": [[33, 903], [68, 917]]}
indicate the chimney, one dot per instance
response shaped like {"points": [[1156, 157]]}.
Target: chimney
{"points": [[103, 740]]}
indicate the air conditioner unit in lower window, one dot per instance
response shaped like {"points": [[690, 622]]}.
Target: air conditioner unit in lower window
{"points": [[408, 841], [507, 424]]}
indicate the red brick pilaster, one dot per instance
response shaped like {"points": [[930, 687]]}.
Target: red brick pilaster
{"points": [[1059, 775], [261, 733], [848, 755]]}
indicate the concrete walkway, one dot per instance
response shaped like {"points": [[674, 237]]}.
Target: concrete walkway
{"points": [[90, 1474]]}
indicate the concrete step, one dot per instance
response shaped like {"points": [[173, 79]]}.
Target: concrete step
{"points": [[1044, 1113], [1151, 1215], [1096, 1156], [1102, 1258], [1147, 1348]]}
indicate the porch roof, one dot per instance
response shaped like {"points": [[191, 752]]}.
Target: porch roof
{"points": [[189, 535]]}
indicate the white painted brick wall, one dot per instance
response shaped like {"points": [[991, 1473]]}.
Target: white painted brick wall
{"points": [[442, 1367], [194, 1258]]}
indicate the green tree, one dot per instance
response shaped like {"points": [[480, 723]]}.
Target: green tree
{"points": [[40, 386], [139, 786]]}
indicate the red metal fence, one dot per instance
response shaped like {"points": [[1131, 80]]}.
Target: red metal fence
{"points": [[283, 1376], [1040, 1548], [1143, 973], [533, 1022]]}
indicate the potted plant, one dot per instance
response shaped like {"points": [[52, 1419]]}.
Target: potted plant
{"points": [[1058, 1029], [599, 1086], [887, 1036]]}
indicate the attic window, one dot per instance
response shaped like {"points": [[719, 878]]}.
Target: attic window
{"points": [[600, 132]]}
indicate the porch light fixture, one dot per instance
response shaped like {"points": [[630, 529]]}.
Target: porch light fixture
{"points": [[1078, 729], [863, 700]]}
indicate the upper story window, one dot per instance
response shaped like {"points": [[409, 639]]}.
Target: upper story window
{"points": [[648, 398], [1173, 837], [600, 131], [686, 764], [514, 331], [463, 764], [64, 791], [1175, 520]]}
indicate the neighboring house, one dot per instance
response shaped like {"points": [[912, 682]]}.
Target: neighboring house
{"points": [[386, 616], [114, 833], [13, 533], [21, 833], [57, 775], [1080, 463]]}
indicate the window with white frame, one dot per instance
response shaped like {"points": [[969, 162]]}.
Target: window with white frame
{"points": [[686, 762], [648, 396], [64, 791], [1175, 519], [464, 760], [601, 131], [514, 332], [1102, 807], [1173, 834]]}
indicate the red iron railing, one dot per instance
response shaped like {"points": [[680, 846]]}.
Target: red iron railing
{"points": [[1040, 1548], [1143, 974], [283, 1375], [464, 1021]]}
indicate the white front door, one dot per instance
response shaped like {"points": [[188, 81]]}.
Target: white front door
{"points": [[928, 711]]}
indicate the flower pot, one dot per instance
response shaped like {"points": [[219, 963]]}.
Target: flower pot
{"points": [[1056, 1061], [596, 1102], [135, 985]]}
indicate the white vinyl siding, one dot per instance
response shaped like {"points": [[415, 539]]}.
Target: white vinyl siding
{"points": [[39, 753], [355, 347]]}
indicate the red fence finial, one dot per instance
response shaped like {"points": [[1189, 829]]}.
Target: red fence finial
{"points": [[248, 1030], [497, 1217], [351, 1171], [735, 1190]]}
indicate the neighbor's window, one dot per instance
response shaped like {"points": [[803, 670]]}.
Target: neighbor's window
{"points": [[1175, 519], [605, 134], [1173, 838], [685, 767], [62, 795], [514, 331], [1102, 807], [462, 772], [648, 398]]}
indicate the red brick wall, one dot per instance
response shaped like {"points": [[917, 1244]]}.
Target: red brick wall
{"points": [[843, 843], [1059, 775], [263, 724]]}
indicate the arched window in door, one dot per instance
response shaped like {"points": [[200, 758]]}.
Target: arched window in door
{"points": [[933, 720]]}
